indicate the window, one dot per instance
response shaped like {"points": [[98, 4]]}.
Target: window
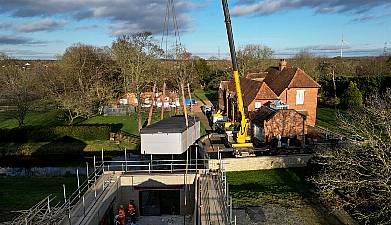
{"points": [[258, 105], [299, 97]]}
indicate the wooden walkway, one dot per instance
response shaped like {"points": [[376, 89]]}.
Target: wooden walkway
{"points": [[212, 203]]}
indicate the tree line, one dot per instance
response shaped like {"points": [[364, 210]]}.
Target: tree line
{"points": [[86, 78]]}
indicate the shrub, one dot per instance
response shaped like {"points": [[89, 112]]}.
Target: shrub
{"points": [[352, 98], [31, 134]]}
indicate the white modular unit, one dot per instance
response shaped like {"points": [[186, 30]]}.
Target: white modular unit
{"points": [[170, 136]]}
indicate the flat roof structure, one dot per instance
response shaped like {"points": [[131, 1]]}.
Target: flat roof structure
{"points": [[174, 124], [170, 136]]}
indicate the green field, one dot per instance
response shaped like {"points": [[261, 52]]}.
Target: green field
{"points": [[127, 124], [18, 193], [281, 186], [327, 118], [211, 95], [51, 118]]}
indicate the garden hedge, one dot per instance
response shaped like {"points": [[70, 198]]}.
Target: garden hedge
{"points": [[32, 134]]}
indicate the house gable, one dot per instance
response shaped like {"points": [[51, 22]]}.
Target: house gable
{"points": [[302, 80], [266, 93]]}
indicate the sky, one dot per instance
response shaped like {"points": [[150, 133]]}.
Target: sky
{"points": [[43, 29]]}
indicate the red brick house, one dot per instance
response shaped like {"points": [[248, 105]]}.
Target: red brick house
{"points": [[292, 86]]}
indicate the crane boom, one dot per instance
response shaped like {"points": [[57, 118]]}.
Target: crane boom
{"points": [[242, 136]]}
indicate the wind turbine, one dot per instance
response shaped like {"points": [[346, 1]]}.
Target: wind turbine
{"points": [[343, 42]]}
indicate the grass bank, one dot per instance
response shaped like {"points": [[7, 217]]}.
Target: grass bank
{"points": [[126, 124], [17, 193], [282, 186]]}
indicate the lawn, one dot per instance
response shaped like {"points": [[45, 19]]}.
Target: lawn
{"points": [[201, 95], [44, 119], [18, 193], [281, 186], [327, 118], [127, 124]]}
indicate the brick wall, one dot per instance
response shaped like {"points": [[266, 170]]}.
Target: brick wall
{"points": [[286, 123], [310, 102]]}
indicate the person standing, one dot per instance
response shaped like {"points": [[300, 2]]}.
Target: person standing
{"points": [[121, 215], [132, 211]]}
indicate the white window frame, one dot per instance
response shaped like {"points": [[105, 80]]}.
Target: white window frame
{"points": [[300, 96], [258, 105]]}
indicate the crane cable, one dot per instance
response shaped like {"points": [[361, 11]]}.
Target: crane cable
{"points": [[171, 15]]}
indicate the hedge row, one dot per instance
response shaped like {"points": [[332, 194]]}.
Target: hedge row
{"points": [[84, 132]]}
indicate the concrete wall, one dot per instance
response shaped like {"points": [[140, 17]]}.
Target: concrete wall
{"points": [[132, 185], [262, 162]]}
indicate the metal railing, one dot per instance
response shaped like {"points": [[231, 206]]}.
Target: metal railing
{"points": [[87, 193], [154, 166], [225, 198]]}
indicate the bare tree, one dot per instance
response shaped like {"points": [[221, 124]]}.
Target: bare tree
{"points": [[135, 55], [357, 176], [83, 81], [19, 88], [250, 58], [307, 62]]}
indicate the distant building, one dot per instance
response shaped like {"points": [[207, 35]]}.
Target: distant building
{"points": [[283, 86]]}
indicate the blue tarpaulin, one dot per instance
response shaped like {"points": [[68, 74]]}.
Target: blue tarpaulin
{"points": [[188, 101]]}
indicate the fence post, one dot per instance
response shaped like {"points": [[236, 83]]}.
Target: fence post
{"points": [[230, 213], [95, 168], [78, 181], [84, 207], [103, 162], [88, 180], [65, 196], [126, 162], [49, 204]]}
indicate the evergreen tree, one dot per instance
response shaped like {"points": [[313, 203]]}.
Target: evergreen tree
{"points": [[352, 98]]}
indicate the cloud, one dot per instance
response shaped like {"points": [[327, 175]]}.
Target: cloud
{"points": [[88, 27], [42, 25], [266, 7], [320, 47], [28, 54], [123, 15], [17, 40], [6, 25]]}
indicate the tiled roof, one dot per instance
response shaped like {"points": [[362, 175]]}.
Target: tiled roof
{"points": [[266, 93], [256, 76], [249, 88], [261, 114], [266, 113], [278, 81]]}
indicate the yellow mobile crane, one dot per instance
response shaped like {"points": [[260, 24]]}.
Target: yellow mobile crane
{"points": [[243, 145]]}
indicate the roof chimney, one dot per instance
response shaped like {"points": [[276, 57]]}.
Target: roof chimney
{"points": [[283, 63]]}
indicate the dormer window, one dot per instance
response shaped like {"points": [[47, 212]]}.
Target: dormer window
{"points": [[300, 97]]}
